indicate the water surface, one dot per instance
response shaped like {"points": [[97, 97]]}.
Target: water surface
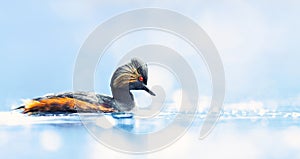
{"points": [[236, 135]]}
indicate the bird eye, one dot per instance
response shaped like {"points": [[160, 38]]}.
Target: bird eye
{"points": [[141, 78]]}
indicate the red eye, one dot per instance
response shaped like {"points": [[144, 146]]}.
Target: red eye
{"points": [[141, 78]]}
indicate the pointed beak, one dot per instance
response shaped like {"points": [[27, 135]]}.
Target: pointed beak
{"points": [[148, 90]]}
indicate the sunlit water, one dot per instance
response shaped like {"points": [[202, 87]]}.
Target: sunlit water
{"points": [[238, 134]]}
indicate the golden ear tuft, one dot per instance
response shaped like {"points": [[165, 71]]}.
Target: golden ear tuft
{"points": [[129, 72]]}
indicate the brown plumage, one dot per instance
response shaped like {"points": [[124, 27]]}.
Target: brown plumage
{"points": [[64, 104]]}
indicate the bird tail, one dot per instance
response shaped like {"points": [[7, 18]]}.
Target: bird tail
{"points": [[20, 107]]}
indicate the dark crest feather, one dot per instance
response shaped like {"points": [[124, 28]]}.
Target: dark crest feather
{"points": [[129, 72]]}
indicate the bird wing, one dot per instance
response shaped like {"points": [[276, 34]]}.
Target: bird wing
{"points": [[70, 102]]}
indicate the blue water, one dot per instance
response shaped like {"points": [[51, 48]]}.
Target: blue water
{"points": [[274, 134]]}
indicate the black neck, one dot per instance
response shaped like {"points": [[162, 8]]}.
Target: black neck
{"points": [[123, 98]]}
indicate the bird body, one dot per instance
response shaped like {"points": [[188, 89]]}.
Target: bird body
{"points": [[70, 102], [131, 76]]}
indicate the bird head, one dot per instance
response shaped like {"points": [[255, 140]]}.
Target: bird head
{"points": [[131, 76]]}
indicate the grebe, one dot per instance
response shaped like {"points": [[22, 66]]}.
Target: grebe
{"points": [[131, 76]]}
